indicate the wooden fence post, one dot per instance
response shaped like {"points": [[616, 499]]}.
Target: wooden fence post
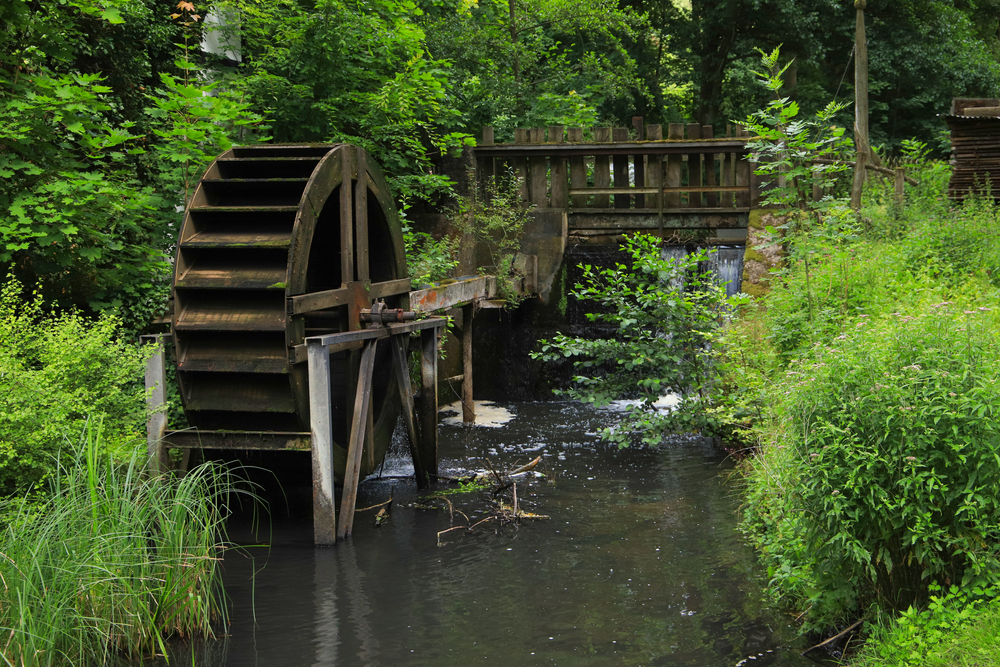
{"points": [[860, 105], [654, 166], [557, 166], [694, 167], [602, 168], [577, 169], [675, 164]]}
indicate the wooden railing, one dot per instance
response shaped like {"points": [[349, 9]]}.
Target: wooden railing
{"points": [[619, 172]]}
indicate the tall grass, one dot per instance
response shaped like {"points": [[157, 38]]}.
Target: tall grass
{"points": [[111, 563]]}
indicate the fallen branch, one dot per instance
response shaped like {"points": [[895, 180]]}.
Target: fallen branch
{"points": [[833, 638], [526, 467]]}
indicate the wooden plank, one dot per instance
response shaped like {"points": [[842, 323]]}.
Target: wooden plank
{"points": [[520, 164], [694, 167], [454, 294], [239, 440], [359, 423], [389, 288], [468, 404], [346, 216], [487, 135], [538, 167], [577, 168], [651, 191], [728, 176], [699, 218], [486, 167], [429, 401], [675, 164], [639, 162], [665, 147], [602, 167], [402, 370], [156, 402], [621, 164], [321, 432], [361, 216], [654, 166], [560, 185], [709, 162], [743, 199]]}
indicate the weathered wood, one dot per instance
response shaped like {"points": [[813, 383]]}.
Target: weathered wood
{"points": [[577, 168], [452, 295], [743, 180], [538, 167], [429, 401], [602, 167], [728, 175], [698, 218], [290, 441], [520, 163], [900, 183], [156, 402], [468, 404], [560, 185], [487, 135], [694, 166], [621, 163], [359, 423], [639, 161], [675, 165], [654, 165], [402, 371], [682, 146], [486, 166], [361, 217], [709, 161], [346, 214], [860, 105], [321, 432]]}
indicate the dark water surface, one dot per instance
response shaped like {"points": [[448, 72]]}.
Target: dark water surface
{"points": [[638, 564]]}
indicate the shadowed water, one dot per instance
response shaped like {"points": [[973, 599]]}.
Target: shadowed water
{"points": [[638, 564]]}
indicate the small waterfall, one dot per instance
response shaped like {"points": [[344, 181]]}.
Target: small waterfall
{"points": [[725, 262]]}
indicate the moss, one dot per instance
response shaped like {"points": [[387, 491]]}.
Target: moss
{"points": [[754, 255], [757, 218]]}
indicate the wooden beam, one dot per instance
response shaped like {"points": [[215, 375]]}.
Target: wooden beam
{"points": [[468, 405], [428, 402], [359, 423], [402, 370], [321, 432]]}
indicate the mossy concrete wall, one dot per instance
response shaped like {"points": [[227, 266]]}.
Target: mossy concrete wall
{"points": [[762, 253]]}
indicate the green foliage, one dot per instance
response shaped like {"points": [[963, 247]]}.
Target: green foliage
{"points": [[57, 371], [496, 222], [959, 627], [662, 315], [786, 148], [428, 259], [112, 562]]}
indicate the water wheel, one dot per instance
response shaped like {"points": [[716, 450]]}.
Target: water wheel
{"points": [[279, 243]]}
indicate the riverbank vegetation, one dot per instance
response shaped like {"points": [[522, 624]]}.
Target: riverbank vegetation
{"points": [[866, 380]]}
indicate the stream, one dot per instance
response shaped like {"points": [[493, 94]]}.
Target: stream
{"points": [[639, 563]]}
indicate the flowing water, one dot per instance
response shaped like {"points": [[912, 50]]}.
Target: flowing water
{"points": [[639, 563]]}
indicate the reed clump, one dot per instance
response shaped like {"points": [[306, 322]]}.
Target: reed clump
{"points": [[112, 562]]}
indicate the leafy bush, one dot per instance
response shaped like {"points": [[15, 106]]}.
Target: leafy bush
{"points": [[56, 371], [113, 561], [429, 259], [880, 471], [662, 314]]}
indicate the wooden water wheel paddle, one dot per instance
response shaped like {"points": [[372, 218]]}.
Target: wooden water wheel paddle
{"points": [[280, 243]]}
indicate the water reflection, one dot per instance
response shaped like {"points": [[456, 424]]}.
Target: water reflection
{"points": [[639, 565]]}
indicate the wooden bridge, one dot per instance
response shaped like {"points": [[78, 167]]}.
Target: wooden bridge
{"points": [[585, 185]]}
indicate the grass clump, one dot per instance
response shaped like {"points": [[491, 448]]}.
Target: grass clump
{"points": [[111, 563]]}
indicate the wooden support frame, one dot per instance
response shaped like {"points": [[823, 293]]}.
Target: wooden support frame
{"points": [[156, 401]]}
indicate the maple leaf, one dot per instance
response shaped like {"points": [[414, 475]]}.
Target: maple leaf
{"points": [[183, 4]]}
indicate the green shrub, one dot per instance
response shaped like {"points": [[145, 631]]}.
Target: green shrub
{"points": [[55, 371], [112, 562], [880, 471]]}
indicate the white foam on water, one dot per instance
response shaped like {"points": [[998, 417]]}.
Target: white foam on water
{"points": [[488, 414], [664, 403]]}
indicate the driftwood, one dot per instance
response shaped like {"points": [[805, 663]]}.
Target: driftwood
{"points": [[834, 638]]}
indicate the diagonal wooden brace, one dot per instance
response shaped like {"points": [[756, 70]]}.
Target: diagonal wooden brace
{"points": [[356, 444]]}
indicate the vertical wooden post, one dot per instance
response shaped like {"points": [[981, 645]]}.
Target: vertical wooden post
{"points": [[156, 403], [356, 444], [486, 168], [711, 198], [321, 427], [468, 404], [577, 169], [860, 105], [346, 215], [900, 185], [602, 168], [361, 216], [654, 165], [538, 168], [728, 177], [639, 162], [675, 164], [557, 165], [429, 401], [743, 199], [620, 134], [694, 167], [521, 163]]}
